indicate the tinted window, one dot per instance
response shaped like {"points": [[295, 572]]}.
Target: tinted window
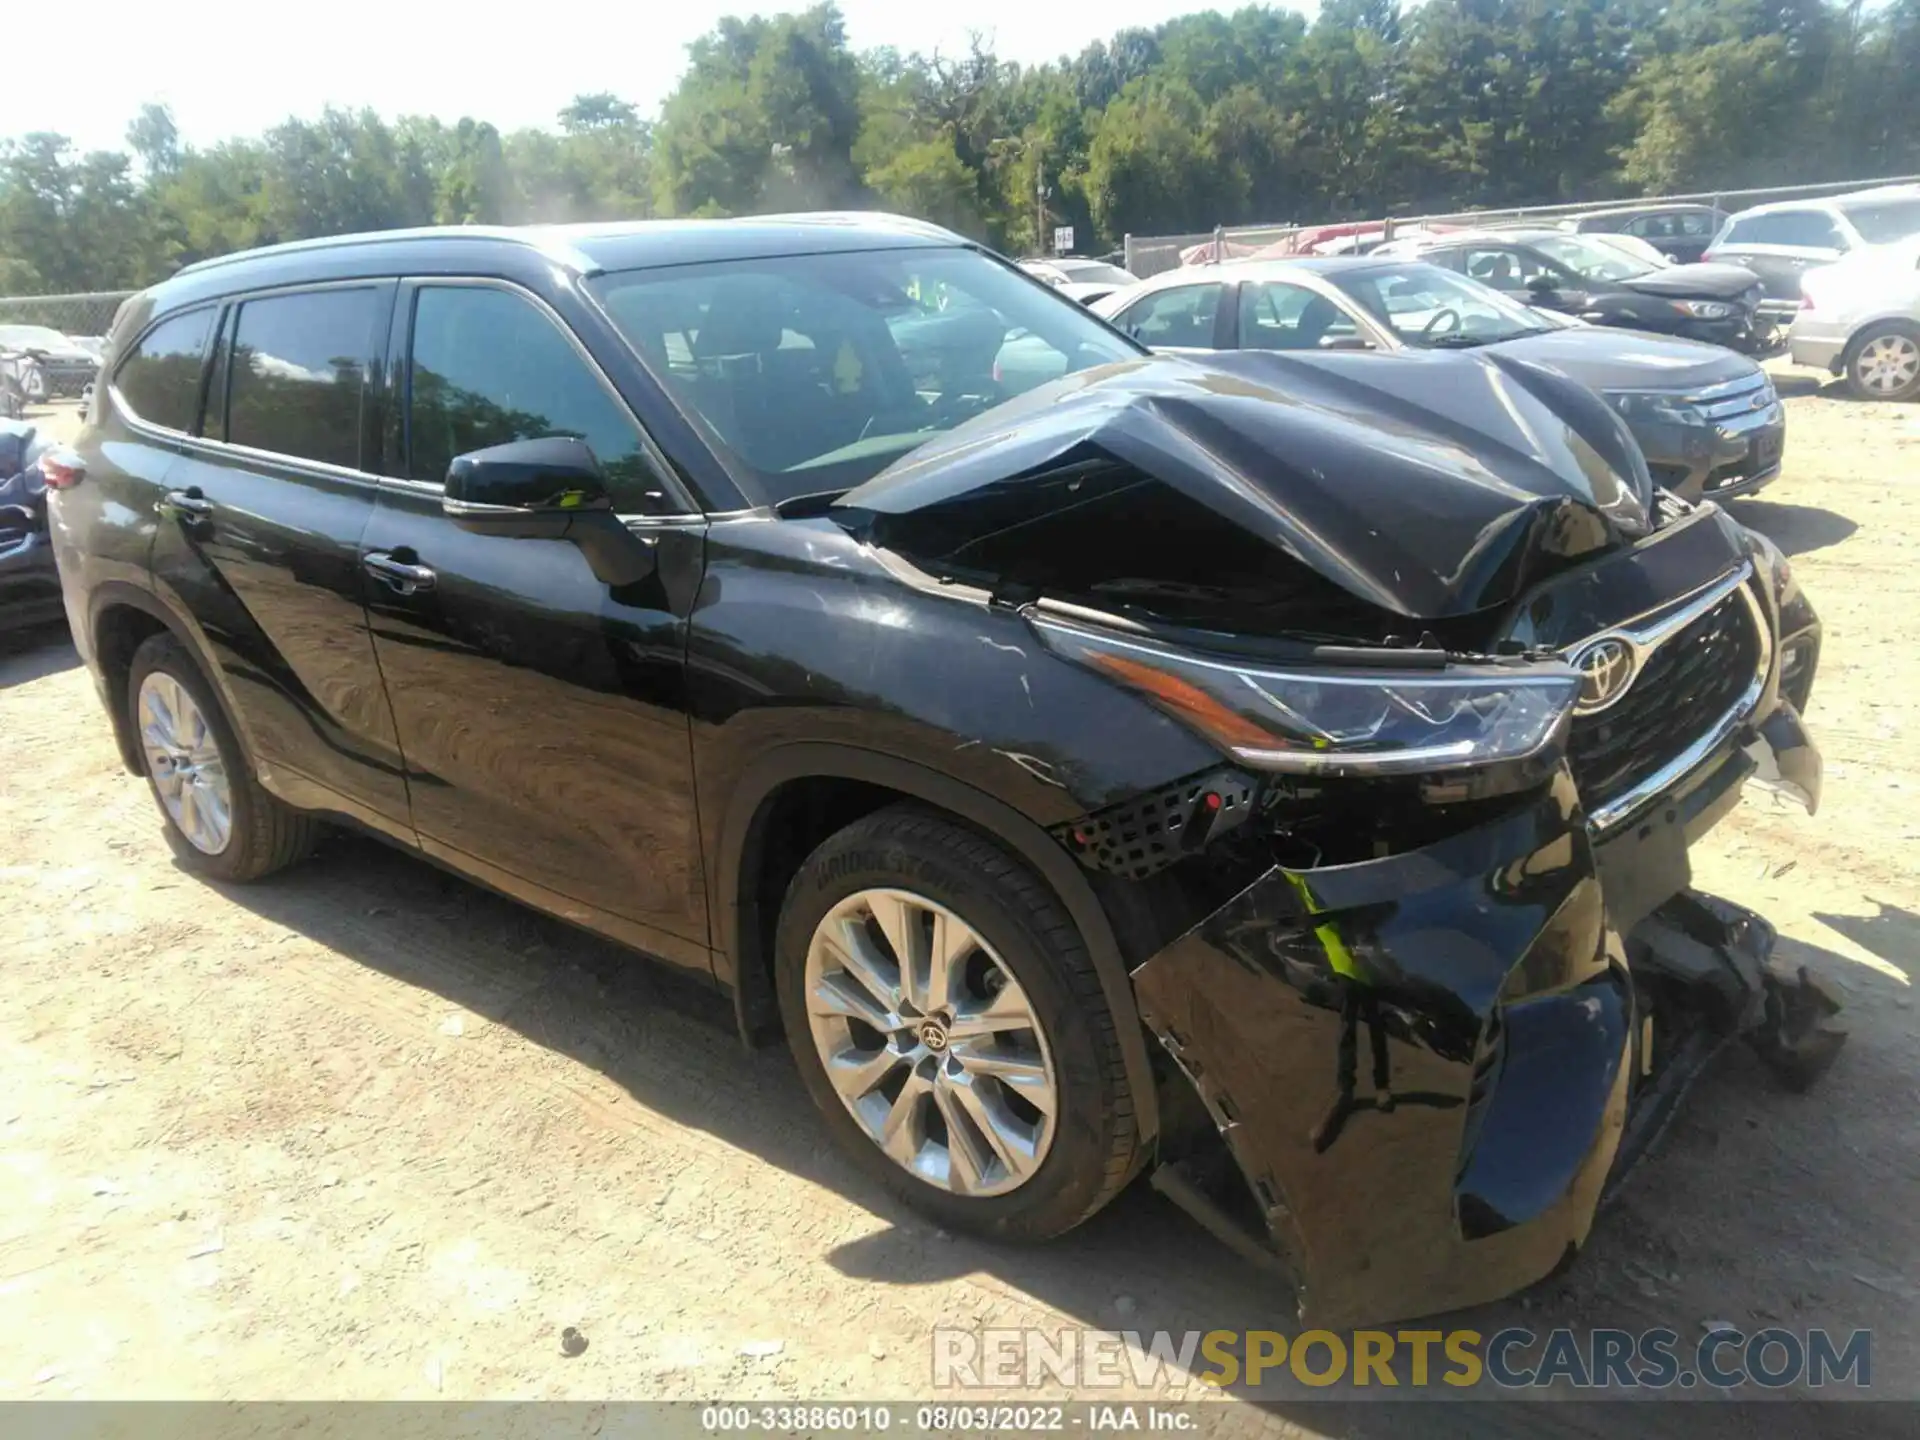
{"points": [[1786, 227], [1179, 315], [490, 368], [1505, 269], [160, 378], [1696, 225], [1277, 316], [810, 373], [295, 376]]}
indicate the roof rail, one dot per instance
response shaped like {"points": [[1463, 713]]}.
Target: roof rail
{"points": [[542, 239]]}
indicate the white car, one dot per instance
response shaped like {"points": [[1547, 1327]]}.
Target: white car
{"points": [[1083, 280], [1861, 319]]}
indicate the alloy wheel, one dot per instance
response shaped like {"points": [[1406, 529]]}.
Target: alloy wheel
{"points": [[930, 1043], [1887, 364], [185, 762]]}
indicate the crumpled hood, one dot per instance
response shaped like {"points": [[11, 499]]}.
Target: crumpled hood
{"points": [[1609, 359], [1429, 484], [1707, 281]]}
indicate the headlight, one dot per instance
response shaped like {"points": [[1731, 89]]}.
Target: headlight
{"points": [[1636, 407], [1704, 309], [1341, 719]]}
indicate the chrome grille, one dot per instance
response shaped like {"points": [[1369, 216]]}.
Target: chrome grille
{"points": [[1685, 689], [1735, 398]]}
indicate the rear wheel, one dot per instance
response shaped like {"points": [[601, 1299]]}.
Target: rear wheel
{"points": [[219, 821], [947, 1020], [1885, 363]]}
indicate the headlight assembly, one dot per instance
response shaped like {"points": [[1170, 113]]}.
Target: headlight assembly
{"points": [[1704, 309], [1642, 406], [1340, 719]]}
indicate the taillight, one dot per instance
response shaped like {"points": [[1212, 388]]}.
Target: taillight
{"points": [[1806, 301], [62, 469], [1706, 255]]}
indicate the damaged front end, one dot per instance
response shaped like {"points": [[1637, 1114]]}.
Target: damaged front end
{"points": [[1421, 956]]}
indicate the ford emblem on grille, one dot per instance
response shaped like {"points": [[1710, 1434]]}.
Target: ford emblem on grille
{"points": [[1606, 670]]}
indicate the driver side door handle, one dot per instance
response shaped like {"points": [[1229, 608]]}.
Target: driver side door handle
{"points": [[401, 576]]}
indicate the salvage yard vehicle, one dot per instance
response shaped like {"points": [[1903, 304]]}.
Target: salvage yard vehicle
{"points": [[29, 583], [1605, 285], [1860, 319], [1707, 419], [1071, 773], [1679, 231], [1783, 241], [61, 367]]}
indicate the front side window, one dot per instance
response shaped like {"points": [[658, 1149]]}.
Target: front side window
{"points": [[489, 367], [809, 374], [1278, 316], [1504, 268], [295, 377], [1181, 315], [160, 378]]}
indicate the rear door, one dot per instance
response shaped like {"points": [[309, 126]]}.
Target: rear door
{"points": [[259, 541], [542, 713]]}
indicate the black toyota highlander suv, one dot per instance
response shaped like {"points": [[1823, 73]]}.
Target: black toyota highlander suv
{"points": [[1071, 750]]}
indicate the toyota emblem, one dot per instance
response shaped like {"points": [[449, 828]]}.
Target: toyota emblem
{"points": [[1606, 670]]}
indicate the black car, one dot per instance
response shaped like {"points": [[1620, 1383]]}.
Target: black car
{"points": [[1605, 285], [1072, 775], [63, 368], [29, 583], [1707, 420], [1681, 232]]}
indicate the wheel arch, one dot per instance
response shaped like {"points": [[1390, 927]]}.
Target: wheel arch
{"points": [[120, 618], [743, 958]]}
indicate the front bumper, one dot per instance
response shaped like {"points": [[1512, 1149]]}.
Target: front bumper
{"points": [[1719, 460], [1424, 1065]]}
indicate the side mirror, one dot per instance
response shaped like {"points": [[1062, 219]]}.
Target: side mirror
{"points": [[550, 489], [527, 487], [1541, 285]]}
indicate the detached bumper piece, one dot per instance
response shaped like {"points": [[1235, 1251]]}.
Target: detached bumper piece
{"points": [[1706, 975], [1428, 1068]]}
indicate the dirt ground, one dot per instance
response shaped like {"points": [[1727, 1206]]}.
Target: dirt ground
{"points": [[366, 1131]]}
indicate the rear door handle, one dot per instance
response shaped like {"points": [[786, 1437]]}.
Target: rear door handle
{"points": [[186, 505], [403, 578]]}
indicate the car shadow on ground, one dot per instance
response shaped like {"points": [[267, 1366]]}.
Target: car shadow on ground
{"points": [[35, 652], [1139, 1265], [1796, 529]]}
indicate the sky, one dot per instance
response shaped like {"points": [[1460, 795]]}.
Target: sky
{"points": [[234, 67]]}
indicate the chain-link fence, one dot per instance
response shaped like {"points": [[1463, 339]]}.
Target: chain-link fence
{"points": [[1151, 254], [87, 315]]}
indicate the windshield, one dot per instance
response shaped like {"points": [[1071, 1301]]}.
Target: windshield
{"points": [[38, 336], [1881, 221], [1588, 258], [812, 373], [1093, 272], [1434, 308]]}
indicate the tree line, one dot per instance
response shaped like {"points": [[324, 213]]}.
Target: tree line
{"points": [[1372, 108]]}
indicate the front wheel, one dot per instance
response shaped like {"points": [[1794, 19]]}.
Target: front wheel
{"points": [[219, 821], [1885, 364], [948, 1022]]}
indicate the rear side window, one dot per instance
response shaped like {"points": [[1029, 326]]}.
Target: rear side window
{"points": [[1786, 227], [298, 367], [1181, 315], [159, 381], [490, 368]]}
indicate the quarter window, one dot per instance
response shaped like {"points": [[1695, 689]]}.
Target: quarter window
{"points": [[1181, 315], [489, 368], [160, 379], [297, 372]]}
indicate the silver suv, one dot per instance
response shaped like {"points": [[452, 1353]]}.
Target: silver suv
{"points": [[1781, 241]]}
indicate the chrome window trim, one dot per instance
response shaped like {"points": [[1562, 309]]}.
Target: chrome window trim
{"points": [[1647, 633], [655, 456]]}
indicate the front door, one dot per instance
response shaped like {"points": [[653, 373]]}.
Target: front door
{"points": [[541, 712], [258, 540]]}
